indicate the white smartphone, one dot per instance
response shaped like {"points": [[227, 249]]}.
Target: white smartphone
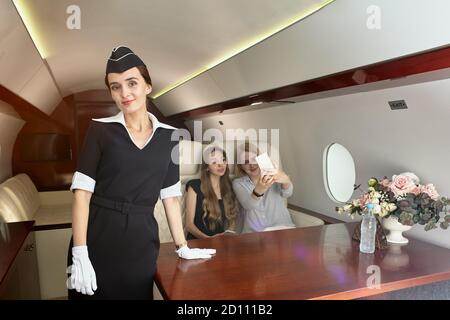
{"points": [[265, 164]]}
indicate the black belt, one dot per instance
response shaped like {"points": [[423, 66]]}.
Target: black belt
{"points": [[123, 207]]}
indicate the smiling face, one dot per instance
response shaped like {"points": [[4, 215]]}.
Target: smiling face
{"points": [[129, 90]]}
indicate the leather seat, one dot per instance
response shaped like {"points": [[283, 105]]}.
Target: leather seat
{"points": [[190, 159], [20, 201]]}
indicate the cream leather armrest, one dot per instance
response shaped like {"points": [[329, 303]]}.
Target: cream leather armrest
{"points": [[55, 198], [163, 226], [302, 220], [55, 208]]}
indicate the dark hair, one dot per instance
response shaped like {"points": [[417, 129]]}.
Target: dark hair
{"points": [[142, 70]]}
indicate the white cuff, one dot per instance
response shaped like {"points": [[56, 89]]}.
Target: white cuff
{"points": [[83, 182], [172, 191]]}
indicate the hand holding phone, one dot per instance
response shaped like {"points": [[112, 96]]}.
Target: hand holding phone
{"points": [[265, 164]]}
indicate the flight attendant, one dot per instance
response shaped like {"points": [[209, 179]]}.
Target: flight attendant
{"points": [[126, 163]]}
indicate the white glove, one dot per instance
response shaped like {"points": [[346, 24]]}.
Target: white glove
{"points": [[82, 277], [186, 253]]}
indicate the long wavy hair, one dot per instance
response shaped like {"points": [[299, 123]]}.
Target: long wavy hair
{"points": [[212, 216]]}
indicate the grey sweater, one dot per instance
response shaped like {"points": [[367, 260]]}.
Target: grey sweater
{"points": [[268, 211]]}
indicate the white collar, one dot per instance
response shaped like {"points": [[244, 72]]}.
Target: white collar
{"points": [[119, 118]]}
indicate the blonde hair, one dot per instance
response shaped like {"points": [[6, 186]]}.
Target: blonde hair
{"points": [[247, 147], [212, 216]]}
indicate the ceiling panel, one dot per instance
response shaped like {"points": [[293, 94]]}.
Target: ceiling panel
{"points": [[175, 38]]}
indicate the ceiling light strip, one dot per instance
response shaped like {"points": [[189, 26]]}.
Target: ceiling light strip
{"points": [[30, 25], [293, 20]]}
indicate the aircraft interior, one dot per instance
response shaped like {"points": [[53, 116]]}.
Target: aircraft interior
{"points": [[348, 99]]}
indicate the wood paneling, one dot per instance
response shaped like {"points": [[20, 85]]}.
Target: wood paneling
{"points": [[51, 172], [45, 147], [303, 263], [47, 175], [12, 238], [391, 69]]}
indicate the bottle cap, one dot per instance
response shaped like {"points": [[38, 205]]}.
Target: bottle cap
{"points": [[369, 206]]}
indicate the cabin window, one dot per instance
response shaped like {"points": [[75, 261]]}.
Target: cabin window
{"points": [[338, 172]]}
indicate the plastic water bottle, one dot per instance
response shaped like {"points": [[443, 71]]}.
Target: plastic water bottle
{"points": [[368, 231]]}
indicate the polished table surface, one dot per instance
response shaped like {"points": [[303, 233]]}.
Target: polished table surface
{"points": [[304, 263]]}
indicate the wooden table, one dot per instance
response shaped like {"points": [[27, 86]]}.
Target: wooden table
{"points": [[304, 263], [12, 237]]}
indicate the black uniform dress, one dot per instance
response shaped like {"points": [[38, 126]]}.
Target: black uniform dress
{"points": [[198, 218], [122, 234]]}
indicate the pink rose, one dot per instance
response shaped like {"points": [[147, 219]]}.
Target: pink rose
{"points": [[415, 179], [416, 190], [364, 200], [430, 190], [401, 185]]}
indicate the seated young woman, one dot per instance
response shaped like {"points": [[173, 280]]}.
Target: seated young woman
{"points": [[211, 206], [261, 194]]}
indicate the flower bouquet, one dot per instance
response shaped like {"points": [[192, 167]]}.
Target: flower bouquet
{"points": [[404, 199]]}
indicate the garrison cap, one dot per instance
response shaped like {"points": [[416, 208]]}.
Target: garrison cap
{"points": [[122, 58]]}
